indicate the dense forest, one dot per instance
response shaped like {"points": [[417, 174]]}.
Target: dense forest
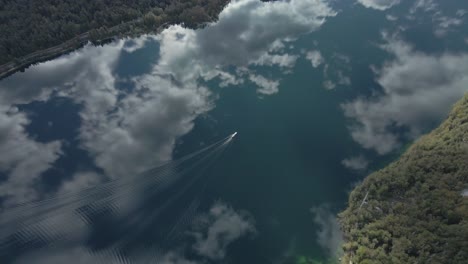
{"points": [[30, 26], [416, 209]]}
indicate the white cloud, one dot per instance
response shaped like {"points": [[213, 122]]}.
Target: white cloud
{"points": [[343, 79], [267, 86], [333, 71], [424, 5], [248, 32], [329, 235], [315, 58], [445, 24], [442, 23], [225, 78], [124, 136], [255, 25], [379, 4], [85, 74], [391, 18], [461, 12], [284, 60], [80, 181], [224, 225], [129, 131], [142, 133], [132, 130], [277, 46], [329, 85], [23, 158], [418, 91], [356, 163], [134, 44]]}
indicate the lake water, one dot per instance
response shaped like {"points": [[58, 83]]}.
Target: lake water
{"points": [[276, 73]]}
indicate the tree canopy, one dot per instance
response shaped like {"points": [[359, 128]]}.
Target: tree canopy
{"points": [[29, 26], [416, 210]]}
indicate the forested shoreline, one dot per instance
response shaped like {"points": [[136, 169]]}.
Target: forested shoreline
{"points": [[34, 31], [415, 210]]}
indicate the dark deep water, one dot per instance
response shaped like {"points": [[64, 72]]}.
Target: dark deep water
{"points": [[285, 166]]}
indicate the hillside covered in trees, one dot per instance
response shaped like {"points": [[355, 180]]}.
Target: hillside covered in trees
{"points": [[30, 26], [416, 209]]}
